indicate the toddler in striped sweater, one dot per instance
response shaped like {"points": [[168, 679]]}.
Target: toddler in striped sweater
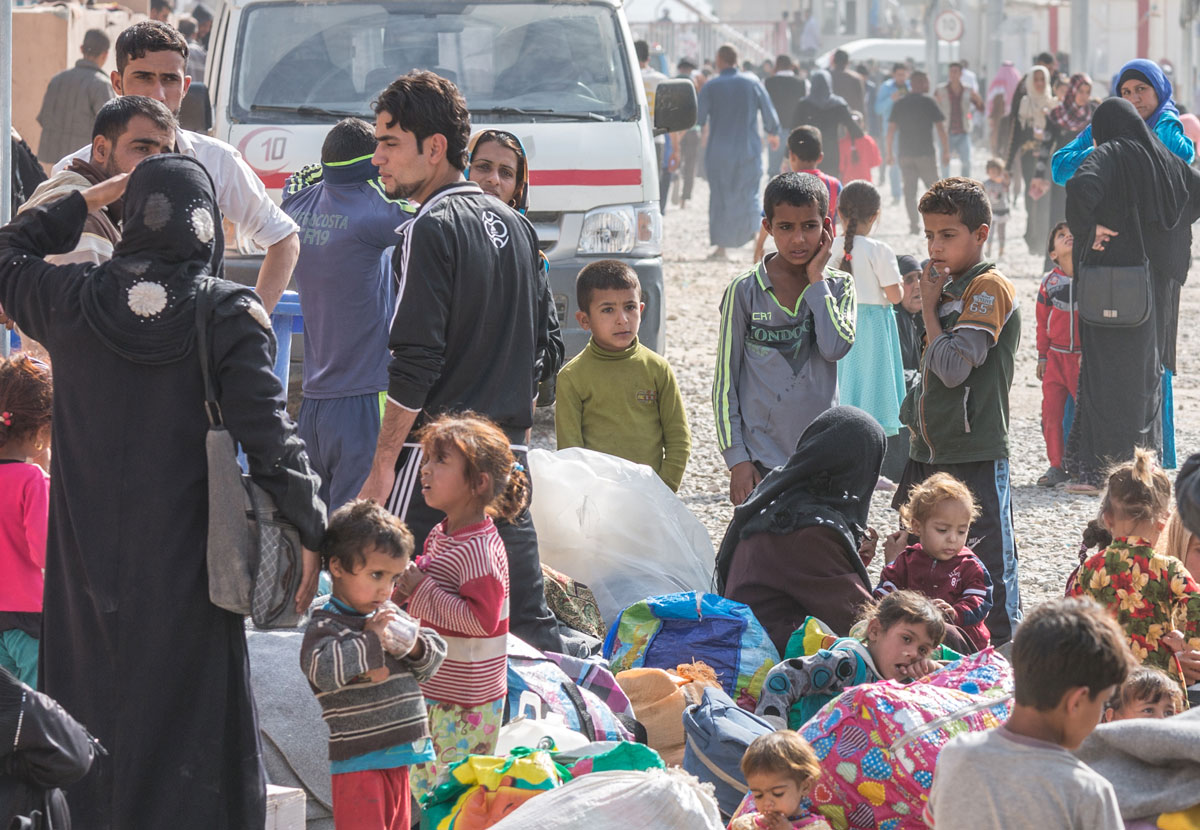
{"points": [[459, 586], [365, 675]]}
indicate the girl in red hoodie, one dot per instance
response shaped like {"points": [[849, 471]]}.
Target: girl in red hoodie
{"points": [[939, 512]]}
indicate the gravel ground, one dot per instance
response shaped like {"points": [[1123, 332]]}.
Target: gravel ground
{"points": [[1048, 522]]}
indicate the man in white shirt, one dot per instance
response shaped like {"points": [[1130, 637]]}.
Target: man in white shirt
{"points": [[151, 61]]}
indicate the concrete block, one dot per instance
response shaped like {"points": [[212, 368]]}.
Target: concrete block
{"points": [[285, 808]]}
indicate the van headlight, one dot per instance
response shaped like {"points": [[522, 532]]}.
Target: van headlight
{"points": [[622, 229]]}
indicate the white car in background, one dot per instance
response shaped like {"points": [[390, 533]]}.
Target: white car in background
{"points": [[888, 51]]}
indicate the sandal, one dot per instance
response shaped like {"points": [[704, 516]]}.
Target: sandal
{"points": [[1082, 488], [1053, 477]]}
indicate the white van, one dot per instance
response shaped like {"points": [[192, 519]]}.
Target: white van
{"points": [[561, 76], [888, 51]]}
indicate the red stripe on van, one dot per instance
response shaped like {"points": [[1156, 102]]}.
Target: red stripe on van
{"points": [[541, 178], [273, 181], [585, 178]]}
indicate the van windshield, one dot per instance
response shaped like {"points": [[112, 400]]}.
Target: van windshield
{"points": [[560, 60]]}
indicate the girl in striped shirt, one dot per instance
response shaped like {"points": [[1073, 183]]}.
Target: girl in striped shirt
{"points": [[459, 586]]}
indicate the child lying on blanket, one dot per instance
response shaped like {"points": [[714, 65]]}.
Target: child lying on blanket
{"points": [[901, 633]]}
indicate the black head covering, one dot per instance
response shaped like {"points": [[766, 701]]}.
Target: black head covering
{"points": [[820, 91], [140, 304], [1126, 146], [827, 482], [907, 264]]}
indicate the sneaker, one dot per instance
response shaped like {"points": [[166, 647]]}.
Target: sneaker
{"points": [[1053, 477]]}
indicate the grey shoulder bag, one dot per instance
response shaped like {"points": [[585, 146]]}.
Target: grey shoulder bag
{"points": [[1117, 296], [255, 559]]}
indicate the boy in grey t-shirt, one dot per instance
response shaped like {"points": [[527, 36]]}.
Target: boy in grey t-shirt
{"points": [[1068, 656]]}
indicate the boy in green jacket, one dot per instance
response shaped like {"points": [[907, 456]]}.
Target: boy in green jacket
{"points": [[617, 396], [958, 414]]}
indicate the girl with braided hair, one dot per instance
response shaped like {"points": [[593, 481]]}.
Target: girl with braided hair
{"points": [[871, 376]]}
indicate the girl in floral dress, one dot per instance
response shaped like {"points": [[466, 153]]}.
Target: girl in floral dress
{"points": [[1150, 594]]}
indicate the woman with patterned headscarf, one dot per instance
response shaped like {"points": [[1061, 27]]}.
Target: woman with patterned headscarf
{"points": [[132, 647]]}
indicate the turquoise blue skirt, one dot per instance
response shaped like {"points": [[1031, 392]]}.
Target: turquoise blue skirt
{"points": [[871, 376]]}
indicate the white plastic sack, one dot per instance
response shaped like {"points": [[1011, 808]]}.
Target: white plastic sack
{"points": [[614, 526], [669, 799], [539, 733]]}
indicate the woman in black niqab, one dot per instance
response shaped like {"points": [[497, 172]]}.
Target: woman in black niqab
{"points": [[1134, 185], [791, 550], [131, 645]]}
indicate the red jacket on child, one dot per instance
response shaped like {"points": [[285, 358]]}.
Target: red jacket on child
{"points": [[962, 581], [834, 186], [868, 159], [1057, 315]]}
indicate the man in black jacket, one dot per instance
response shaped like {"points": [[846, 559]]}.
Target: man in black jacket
{"points": [[475, 321]]}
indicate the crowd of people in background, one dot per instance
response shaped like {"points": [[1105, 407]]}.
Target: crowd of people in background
{"points": [[843, 367]]}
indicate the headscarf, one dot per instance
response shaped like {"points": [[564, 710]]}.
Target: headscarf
{"points": [[1151, 73], [1037, 103], [907, 264], [1005, 81], [820, 91], [1137, 159], [827, 482], [140, 303], [520, 199], [1070, 115]]}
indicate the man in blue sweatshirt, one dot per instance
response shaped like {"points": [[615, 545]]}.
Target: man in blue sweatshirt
{"points": [[347, 231]]}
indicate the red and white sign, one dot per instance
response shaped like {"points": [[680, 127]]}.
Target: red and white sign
{"points": [[949, 25]]}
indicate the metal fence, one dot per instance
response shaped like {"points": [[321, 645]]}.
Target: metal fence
{"points": [[699, 40]]}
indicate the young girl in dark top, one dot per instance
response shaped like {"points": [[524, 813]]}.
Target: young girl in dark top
{"points": [[941, 566]]}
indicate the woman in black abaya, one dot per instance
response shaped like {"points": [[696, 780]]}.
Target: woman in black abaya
{"points": [[131, 645], [1131, 198], [827, 112], [792, 548]]}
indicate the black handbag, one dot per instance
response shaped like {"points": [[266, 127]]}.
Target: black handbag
{"points": [[1116, 296], [255, 559]]}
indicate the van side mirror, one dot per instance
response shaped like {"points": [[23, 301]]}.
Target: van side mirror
{"points": [[674, 106], [195, 113]]}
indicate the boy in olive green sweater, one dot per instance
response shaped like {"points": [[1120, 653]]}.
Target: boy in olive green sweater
{"points": [[617, 396]]}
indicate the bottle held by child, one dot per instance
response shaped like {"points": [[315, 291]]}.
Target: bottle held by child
{"points": [[940, 566], [871, 376], [901, 632], [26, 396], [459, 585], [781, 770], [1150, 595]]}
